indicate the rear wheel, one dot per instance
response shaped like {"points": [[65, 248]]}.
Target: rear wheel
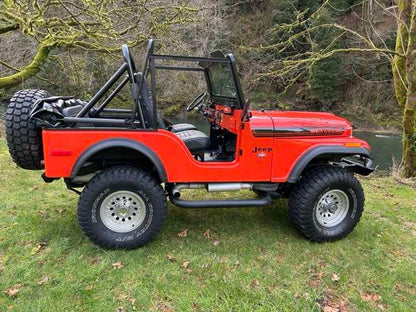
{"points": [[24, 138], [122, 208], [326, 204]]}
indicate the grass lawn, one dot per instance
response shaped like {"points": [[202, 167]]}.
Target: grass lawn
{"points": [[250, 260]]}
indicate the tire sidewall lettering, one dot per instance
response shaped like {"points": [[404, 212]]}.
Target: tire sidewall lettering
{"points": [[97, 202]]}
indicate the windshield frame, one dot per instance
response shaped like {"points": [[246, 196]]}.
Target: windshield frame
{"points": [[224, 99], [155, 62]]}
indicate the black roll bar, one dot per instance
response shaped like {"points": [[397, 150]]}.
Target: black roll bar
{"points": [[136, 86], [111, 96], [102, 91]]}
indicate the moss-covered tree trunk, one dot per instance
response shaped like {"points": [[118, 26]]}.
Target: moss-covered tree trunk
{"points": [[30, 70], [404, 71]]}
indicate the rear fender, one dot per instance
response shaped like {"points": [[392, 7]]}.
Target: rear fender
{"points": [[122, 143]]}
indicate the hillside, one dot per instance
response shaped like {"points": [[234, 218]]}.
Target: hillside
{"points": [[358, 87]]}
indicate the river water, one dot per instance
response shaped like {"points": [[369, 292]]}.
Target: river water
{"points": [[385, 146]]}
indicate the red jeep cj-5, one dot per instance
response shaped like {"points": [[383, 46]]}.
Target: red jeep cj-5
{"points": [[128, 161]]}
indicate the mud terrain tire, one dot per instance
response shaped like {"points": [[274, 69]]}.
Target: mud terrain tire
{"points": [[122, 208], [326, 204], [24, 138]]}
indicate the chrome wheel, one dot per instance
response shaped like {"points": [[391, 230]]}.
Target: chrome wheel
{"points": [[332, 208], [122, 211]]}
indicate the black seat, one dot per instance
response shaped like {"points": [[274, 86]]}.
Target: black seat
{"points": [[195, 140], [182, 127]]}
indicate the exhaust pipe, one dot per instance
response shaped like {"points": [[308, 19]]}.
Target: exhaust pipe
{"points": [[176, 190], [211, 187], [224, 187]]}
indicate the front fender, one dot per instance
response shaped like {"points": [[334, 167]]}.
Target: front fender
{"points": [[313, 153]]}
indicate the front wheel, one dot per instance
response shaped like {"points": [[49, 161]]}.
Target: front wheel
{"points": [[326, 204], [122, 208]]}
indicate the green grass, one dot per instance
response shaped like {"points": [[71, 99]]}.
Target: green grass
{"points": [[254, 244]]}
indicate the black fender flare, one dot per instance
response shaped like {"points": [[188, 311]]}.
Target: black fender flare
{"points": [[120, 142], [307, 157]]}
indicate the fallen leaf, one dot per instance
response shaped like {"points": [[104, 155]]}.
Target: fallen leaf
{"points": [[216, 242], [296, 295], [39, 247], [133, 303], [183, 233], [195, 306], [185, 264], [398, 253], [1, 266], [117, 265], [255, 283], [42, 262], [12, 291], [314, 283], [328, 305], [89, 287], [382, 307], [367, 297], [95, 260], [120, 309], [188, 270], [163, 307], [280, 258], [207, 234], [61, 210], [170, 257], [322, 264], [335, 277], [44, 280]]}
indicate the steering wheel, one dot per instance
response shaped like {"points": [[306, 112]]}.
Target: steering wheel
{"points": [[196, 101], [131, 67]]}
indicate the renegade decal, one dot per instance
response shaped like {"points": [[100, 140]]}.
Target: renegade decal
{"points": [[297, 131]]}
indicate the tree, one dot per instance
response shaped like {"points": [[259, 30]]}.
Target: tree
{"points": [[292, 65], [404, 72], [95, 25]]}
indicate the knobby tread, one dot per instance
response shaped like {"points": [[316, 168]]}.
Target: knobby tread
{"points": [[140, 179], [306, 192], [24, 138]]}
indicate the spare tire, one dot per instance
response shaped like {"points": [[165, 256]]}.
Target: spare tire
{"points": [[24, 138]]}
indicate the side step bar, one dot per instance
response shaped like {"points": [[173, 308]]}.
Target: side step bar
{"points": [[263, 201]]}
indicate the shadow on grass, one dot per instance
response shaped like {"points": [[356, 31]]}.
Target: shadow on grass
{"points": [[229, 224]]}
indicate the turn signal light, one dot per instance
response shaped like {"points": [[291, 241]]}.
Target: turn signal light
{"points": [[352, 144]]}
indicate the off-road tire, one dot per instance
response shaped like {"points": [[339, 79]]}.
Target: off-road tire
{"points": [[113, 181], [303, 202], [24, 138]]}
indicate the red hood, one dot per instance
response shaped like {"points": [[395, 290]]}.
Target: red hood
{"points": [[294, 123]]}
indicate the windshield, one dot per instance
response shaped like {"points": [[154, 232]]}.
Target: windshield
{"points": [[221, 79]]}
